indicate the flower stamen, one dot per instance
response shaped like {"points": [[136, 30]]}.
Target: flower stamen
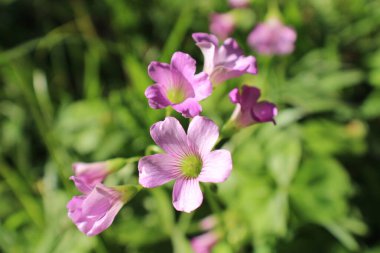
{"points": [[191, 166]]}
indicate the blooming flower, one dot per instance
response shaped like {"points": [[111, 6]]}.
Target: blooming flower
{"points": [[177, 85], [204, 242], [248, 110], [222, 25], [95, 212], [188, 160], [272, 37], [87, 175], [224, 62]]}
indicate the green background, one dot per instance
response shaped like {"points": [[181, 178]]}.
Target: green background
{"points": [[72, 81]]}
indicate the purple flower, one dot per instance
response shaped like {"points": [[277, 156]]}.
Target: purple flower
{"points": [[95, 212], [272, 37], [248, 110], [177, 85], [225, 61], [238, 3], [188, 160], [222, 25], [204, 242]]}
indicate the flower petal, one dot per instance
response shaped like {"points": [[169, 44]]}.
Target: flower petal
{"points": [[183, 63], [234, 96], [217, 167], [242, 65], [222, 25], [204, 243], [238, 3], [189, 108], [208, 44], [272, 37], [170, 136], [187, 195], [203, 133], [264, 111], [106, 221], [97, 168], [156, 170], [180, 82], [159, 72], [99, 200], [246, 64], [287, 37], [156, 98], [249, 97], [229, 51], [82, 185], [74, 208], [86, 224], [202, 86], [205, 37]]}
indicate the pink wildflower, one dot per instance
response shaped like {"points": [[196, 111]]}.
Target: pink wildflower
{"points": [[248, 110], [188, 160], [238, 3], [225, 61], [177, 85], [222, 24], [95, 212], [272, 37], [204, 242]]}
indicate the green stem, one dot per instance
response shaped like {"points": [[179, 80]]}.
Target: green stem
{"points": [[168, 111], [133, 159], [214, 205], [184, 221], [265, 77], [273, 10]]}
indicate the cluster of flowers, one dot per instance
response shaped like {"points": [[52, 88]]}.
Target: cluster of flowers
{"points": [[188, 157], [270, 37]]}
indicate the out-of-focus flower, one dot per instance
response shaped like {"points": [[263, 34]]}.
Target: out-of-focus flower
{"points": [[248, 110], [272, 37], [225, 61], [204, 242], [222, 24], [188, 160], [208, 223], [95, 212], [177, 85], [238, 3], [87, 175]]}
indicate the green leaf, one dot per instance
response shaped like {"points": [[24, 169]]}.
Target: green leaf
{"points": [[370, 107], [283, 156], [320, 190], [343, 236]]}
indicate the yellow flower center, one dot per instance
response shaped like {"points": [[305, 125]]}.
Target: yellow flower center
{"points": [[176, 95], [191, 166]]}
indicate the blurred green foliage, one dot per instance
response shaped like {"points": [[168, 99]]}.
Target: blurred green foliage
{"points": [[72, 78]]}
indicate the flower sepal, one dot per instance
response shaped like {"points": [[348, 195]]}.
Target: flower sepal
{"points": [[128, 191], [116, 164]]}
